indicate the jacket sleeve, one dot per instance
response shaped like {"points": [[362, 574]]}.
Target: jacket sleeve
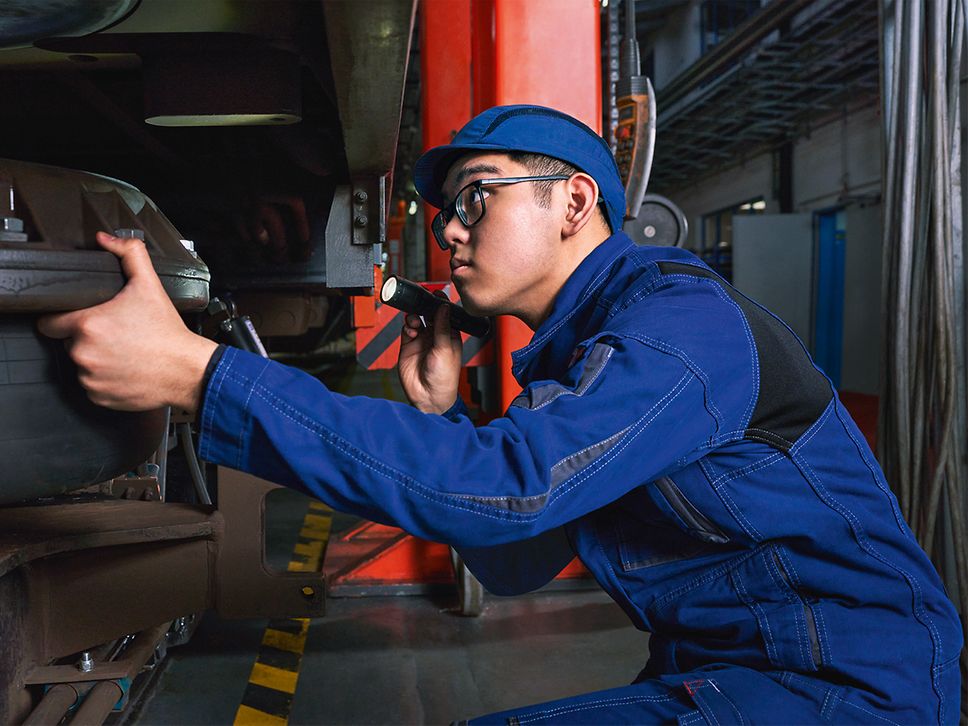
{"points": [[621, 416]]}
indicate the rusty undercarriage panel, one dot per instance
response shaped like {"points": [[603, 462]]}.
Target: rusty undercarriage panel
{"points": [[79, 574]]}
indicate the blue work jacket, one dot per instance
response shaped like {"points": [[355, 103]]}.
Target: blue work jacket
{"points": [[679, 439]]}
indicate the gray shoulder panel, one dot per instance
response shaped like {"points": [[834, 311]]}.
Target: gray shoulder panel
{"points": [[537, 397]]}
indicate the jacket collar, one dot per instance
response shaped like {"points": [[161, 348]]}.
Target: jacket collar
{"points": [[557, 336]]}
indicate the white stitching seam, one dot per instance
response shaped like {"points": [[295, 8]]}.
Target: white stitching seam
{"points": [[748, 469], [415, 486], [819, 626], [584, 385], [589, 448], [379, 468], [594, 466], [860, 450], [587, 705], [689, 363], [730, 505], [758, 613], [706, 577], [618, 448], [728, 700], [791, 597], [245, 408], [861, 537], [754, 358], [822, 628], [703, 706], [869, 713]]}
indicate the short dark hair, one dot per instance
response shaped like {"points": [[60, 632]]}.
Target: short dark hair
{"points": [[541, 165]]}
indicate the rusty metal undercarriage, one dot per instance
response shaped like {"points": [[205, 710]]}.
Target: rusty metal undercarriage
{"points": [[121, 579]]}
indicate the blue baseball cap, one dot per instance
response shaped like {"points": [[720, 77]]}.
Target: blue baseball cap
{"points": [[531, 129]]}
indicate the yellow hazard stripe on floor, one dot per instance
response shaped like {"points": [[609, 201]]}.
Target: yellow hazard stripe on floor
{"points": [[275, 673], [255, 717], [289, 642], [276, 678]]}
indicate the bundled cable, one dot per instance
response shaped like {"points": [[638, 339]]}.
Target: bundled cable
{"points": [[922, 427]]}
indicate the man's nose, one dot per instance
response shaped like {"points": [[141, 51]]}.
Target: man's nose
{"points": [[455, 232]]}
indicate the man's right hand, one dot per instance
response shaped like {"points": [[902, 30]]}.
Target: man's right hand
{"points": [[430, 362], [133, 352]]}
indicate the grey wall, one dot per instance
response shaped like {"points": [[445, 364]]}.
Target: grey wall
{"points": [[773, 264], [862, 301]]}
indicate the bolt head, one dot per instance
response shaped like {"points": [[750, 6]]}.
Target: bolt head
{"points": [[360, 196], [360, 220], [11, 224]]}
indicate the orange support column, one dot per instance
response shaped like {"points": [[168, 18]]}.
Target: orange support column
{"points": [[546, 52], [445, 69]]}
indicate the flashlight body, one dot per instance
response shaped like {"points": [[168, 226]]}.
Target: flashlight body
{"points": [[402, 294]]}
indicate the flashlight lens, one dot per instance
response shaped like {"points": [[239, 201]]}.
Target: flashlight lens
{"points": [[389, 289]]}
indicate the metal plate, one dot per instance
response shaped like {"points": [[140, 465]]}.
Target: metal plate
{"points": [[659, 222]]}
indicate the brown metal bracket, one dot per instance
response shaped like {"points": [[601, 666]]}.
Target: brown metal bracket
{"points": [[369, 210], [247, 586]]}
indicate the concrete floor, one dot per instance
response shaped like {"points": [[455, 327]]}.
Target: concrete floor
{"points": [[406, 660]]}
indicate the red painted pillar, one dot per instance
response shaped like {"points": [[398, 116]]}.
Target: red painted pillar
{"points": [[481, 53], [546, 52], [445, 71]]}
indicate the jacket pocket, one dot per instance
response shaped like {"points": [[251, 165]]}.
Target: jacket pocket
{"points": [[740, 611], [693, 521], [649, 537], [786, 620], [808, 617]]}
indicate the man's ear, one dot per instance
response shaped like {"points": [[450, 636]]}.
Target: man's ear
{"points": [[581, 199]]}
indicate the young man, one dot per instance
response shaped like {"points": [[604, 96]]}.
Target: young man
{"points": [[670, 432]]}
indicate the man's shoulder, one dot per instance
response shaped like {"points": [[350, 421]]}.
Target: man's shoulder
{"points": [[667, 292]]}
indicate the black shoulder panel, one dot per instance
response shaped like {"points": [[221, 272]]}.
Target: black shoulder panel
{"points": [[793, 393]]}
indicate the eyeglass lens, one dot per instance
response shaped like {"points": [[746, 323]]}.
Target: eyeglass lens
{"points": [[469, 207]]}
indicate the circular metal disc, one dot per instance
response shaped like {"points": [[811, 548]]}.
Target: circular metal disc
{"points": [[660, 223]]}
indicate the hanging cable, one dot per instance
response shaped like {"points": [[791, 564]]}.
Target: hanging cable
{"points": [[924, 407], [194, 468]]}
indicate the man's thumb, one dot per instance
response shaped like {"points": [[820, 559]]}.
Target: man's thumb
{"points": [[133, 254]]}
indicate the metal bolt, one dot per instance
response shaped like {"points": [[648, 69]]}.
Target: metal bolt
{"points": [[86, 663], [649, 231], [11, 224], [360, 220], [360, 196], [127, 233]]}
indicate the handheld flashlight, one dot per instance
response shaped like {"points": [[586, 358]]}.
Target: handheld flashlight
{"points": [[402, 294]]}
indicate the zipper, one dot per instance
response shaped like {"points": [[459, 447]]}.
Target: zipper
{"points": [[807, 611], [698, 523]]}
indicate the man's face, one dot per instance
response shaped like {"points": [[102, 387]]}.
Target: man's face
{"points": [[499, 265]]}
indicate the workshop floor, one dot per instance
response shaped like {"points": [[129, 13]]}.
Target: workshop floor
{"points": [[408, 659]]}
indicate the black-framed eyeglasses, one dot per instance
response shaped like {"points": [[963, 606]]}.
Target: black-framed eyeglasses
{"points": [[469, 203]]}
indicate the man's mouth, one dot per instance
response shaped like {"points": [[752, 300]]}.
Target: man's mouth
{"points": [[456, 265]]}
